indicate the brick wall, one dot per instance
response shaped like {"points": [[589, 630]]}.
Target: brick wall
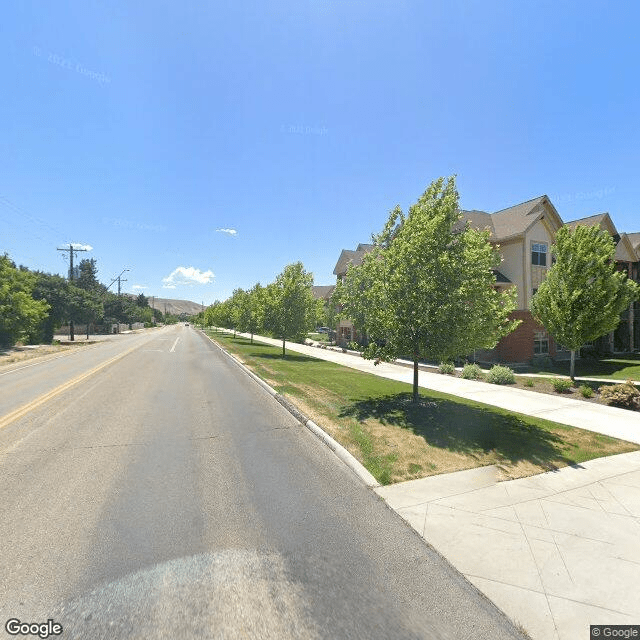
{"points": [[518, 345]]}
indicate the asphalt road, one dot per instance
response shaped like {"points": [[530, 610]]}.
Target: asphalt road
{"points": [[169, 496]]}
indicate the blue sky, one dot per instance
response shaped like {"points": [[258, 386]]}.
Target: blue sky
{"points": [[151, 130]]}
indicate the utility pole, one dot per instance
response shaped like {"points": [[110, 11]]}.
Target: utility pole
{"points": [[71, 249], [121, 279], [118, 279]]}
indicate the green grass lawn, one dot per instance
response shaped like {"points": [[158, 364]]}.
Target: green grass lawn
{"points": [[396, 440], [618, 368], [318, 337]]}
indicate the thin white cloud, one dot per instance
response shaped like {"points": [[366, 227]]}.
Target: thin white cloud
{"points": [[139, 287], [231, 232], [77, 245], [187, 276]]}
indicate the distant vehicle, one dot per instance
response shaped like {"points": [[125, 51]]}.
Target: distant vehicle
{"points": [[323, 330], [186, 324]]}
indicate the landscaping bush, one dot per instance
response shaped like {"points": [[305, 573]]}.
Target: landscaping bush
{"points": [[471, 372], [561, 385], [446, 367], [500, 375], [624, 395], [586, 391], [529, 383]]}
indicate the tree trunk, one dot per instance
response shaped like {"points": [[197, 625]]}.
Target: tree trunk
{"points": [[572, 366], [252, 337], [283, 339], [71, 333], [415, 377]]}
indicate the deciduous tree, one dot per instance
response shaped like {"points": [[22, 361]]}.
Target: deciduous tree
{"points": [[583, 294], [20, 314], [289, 306], [427, 290]]}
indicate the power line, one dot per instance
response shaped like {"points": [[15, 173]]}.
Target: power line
{"points": [[119, 279], [4, 201]]}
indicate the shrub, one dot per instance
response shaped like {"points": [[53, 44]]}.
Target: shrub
{"points": [[561, 385], [528, 382], [500, 375], [621, 395], [446, 367], [586, 391], [471, 372]]}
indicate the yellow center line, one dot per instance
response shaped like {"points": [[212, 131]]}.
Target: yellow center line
{"points": [[30, 406]]}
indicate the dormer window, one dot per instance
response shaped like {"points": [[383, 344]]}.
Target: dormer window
{"points": [[539, 254]]}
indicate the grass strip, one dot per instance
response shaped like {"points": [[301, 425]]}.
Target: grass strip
{"points": [[396, 440], [619, 368]]}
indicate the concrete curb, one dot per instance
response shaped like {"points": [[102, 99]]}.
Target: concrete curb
{"points": [[346, 457]]}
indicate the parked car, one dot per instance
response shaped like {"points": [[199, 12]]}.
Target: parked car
{"points": [[323, 330]]}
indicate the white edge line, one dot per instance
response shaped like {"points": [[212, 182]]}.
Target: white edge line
{"points": [[353, 463], [174, 345]]}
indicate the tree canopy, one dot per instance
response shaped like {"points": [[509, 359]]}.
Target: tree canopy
{"points": [[20, 313], [289, 306], [427, 289], [583, 294]]}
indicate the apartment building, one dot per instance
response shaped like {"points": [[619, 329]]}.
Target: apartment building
{"points": [[524, 234]]}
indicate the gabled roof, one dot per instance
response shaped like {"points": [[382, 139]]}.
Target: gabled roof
{"points": [[634, 238], [479, 220], [323, 292], [514, 221], [348, 257], [625, 251], [510, 222], [602, 220]]}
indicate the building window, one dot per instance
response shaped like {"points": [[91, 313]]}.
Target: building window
{"points": [[539, 254], [540, 343]]}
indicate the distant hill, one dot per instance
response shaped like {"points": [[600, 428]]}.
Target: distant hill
{"points": [[175, 307]]}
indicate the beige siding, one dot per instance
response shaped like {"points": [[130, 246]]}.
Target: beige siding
{"points": [[511, 266], [534, 275]]}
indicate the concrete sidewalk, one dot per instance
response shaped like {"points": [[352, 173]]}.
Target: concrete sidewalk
{"points": [[611, 421], [556, 552]]}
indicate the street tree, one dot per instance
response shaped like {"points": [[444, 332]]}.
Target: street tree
{"points": [[251, 310], [238, 308], [427, 289], [20, 314], [54, 290], [142, 300], [84, 306], [289, 306], [583, 294], [88, 275]]}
